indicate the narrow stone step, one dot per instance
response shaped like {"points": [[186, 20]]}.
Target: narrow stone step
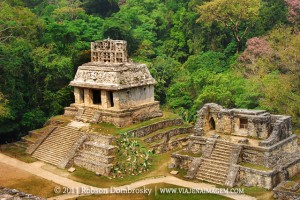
{"points": [[204, 170], [230, 146], [99, 148], [220, 157], [223, 148], [98, 158], [212, 176], [221, 163], [48, 159], [215, 167], [207, 179], [221, 151]]}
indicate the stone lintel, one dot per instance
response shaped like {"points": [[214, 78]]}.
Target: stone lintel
{"points": [[110, 86]]}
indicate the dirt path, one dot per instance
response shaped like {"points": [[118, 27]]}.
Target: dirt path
{"points": [[35, 168]]}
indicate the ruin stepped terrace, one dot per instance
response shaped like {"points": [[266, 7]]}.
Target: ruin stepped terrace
{"points": [[237, 147]]}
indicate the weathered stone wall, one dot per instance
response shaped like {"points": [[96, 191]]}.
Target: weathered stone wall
{"points": [[169, 134], [252, 177], [181, 161], [134, 96], [253, 155], [224, 122], [202, 124], [103, 139], [240, 175], [281, 129], [280, 151], [293, 168], [167, 145], [96, 154], [270, 156], [146, 130], [70, 111], [197, 144], [126, 117]]}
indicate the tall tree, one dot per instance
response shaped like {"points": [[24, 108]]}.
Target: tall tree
{"points": [[237, 15]]}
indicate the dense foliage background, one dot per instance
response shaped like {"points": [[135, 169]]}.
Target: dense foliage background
{"points": [[238, 53]]}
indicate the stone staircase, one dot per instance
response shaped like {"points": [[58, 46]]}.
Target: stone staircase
{"points": [[57, 145], [96, 154], [87, 115], [215, 169], [32, 137]]}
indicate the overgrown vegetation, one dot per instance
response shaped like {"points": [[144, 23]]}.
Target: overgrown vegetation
{"points": [[242, 54], [132, 158]]}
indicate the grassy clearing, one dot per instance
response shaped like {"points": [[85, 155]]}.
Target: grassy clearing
{"points": [[259, 193], [253, 166], [37, 186], [156, 195], [14, 178], [18, 153]]}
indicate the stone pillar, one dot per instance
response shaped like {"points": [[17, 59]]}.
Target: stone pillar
{"points": [[151, 93], [116, 95], [77, 95], [88, 97], [104, 99]]}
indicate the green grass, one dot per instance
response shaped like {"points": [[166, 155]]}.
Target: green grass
{"points": [[18, 153], [253, 166], [156, 195], [61, 118], [37, 186], [166, 129], [296, 178], [259, 193], [189, 153]]}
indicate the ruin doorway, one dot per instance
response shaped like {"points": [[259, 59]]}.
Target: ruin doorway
{"points": [[110, 99], [212, 124], [96, 97], [81, 95]]}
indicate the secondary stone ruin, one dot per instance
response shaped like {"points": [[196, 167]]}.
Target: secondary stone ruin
{"points": [[110, 89], [240, 147]]}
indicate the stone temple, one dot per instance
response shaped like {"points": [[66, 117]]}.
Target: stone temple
{"points": [[237, 147], [108, 89], [111, 89]]}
